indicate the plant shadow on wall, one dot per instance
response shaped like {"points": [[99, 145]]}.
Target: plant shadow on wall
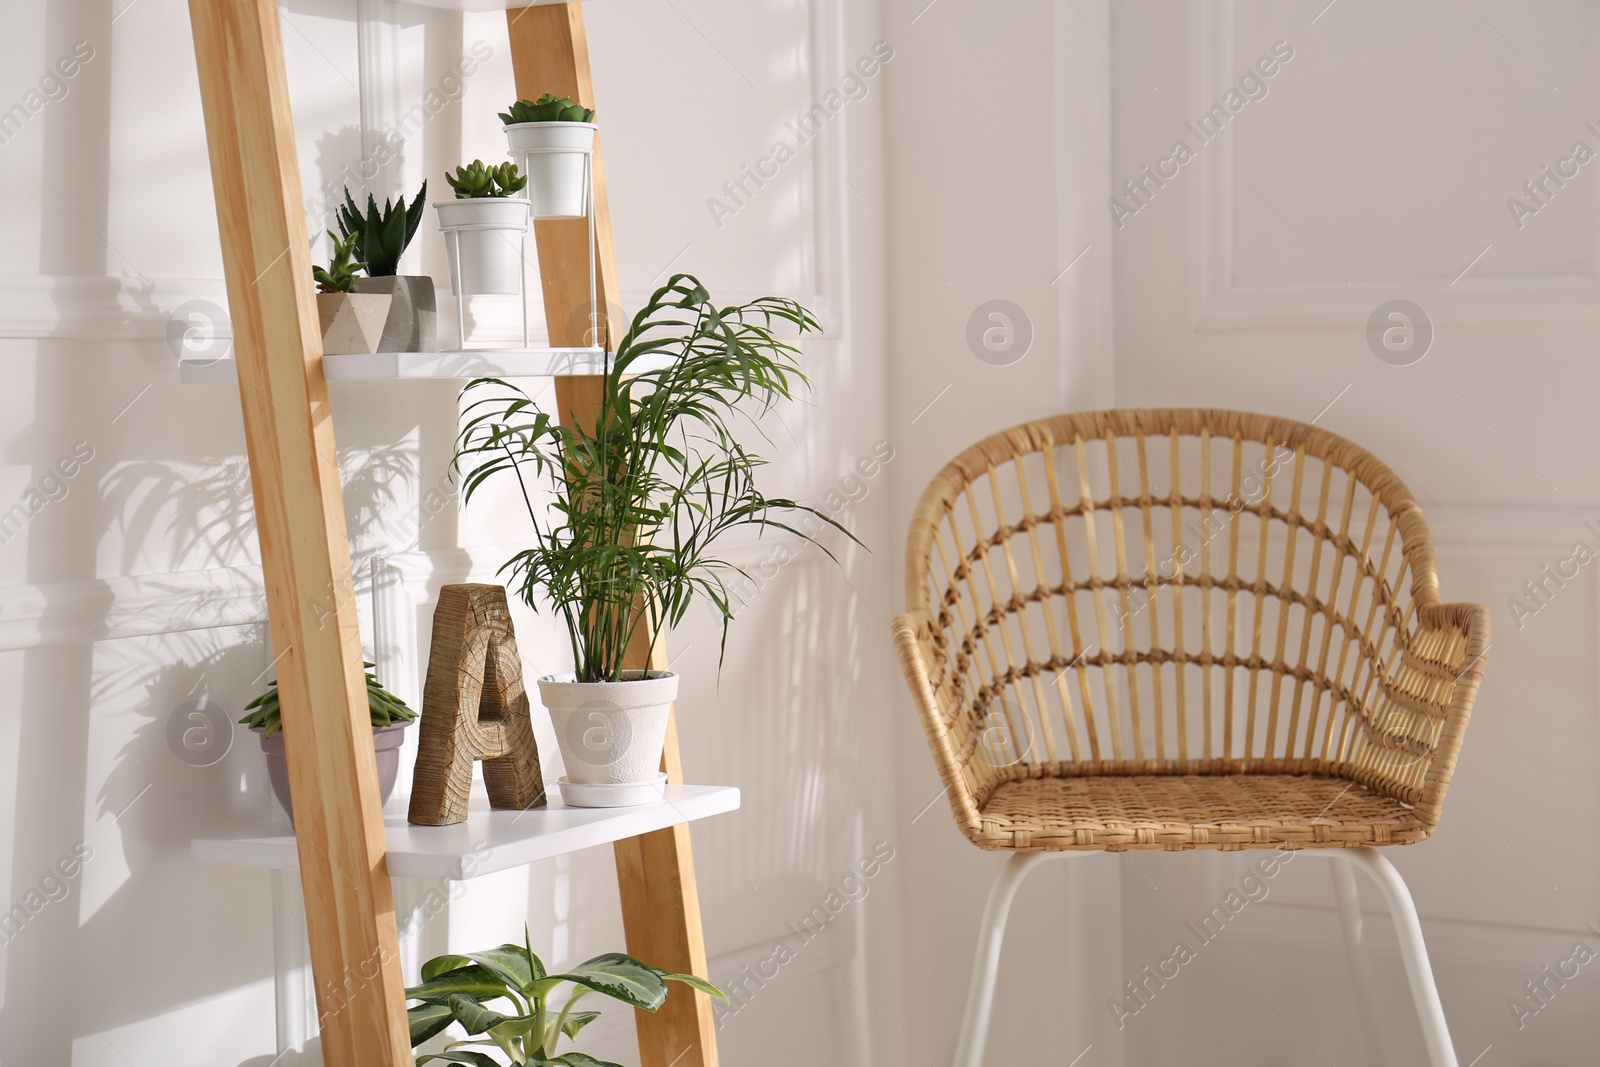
{"points": [[166, 762], [175, 775], [805, 755], [205, 515]]}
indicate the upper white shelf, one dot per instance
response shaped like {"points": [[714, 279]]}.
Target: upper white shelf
{"points": [[481, 5], [467, 363], [489, 840]]}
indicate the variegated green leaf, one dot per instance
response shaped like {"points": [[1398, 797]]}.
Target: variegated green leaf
{"points": [[582, 1059], [698, 983], [474, 1016], [427, 1020], [474, 981], [618, 976]]}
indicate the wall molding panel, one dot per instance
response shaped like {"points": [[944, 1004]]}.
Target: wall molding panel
{"points": [[1219, 304]]}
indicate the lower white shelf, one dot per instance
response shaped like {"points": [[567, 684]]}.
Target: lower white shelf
{"points": [[489, 840], [463, 363]]}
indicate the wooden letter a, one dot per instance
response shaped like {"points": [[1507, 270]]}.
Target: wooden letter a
{"points": [[474, 707]]}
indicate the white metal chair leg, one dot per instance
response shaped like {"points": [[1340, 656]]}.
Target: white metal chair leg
{"points": [[1435, 1032], [986, 966], [1355, 946]]}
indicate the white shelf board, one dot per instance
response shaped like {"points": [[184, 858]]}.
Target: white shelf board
{"points": [[489, 840], [480, 5], [466, 363]]}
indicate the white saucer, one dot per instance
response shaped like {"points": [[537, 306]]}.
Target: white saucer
{"points": [[612, 794]]}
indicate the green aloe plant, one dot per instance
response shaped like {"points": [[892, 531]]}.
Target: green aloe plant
{"points": [[526, 1027], [339, 276], [477, 179], [548, 108], [386, 708], [381, 237]]}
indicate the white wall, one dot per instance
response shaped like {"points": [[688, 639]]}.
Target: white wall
{"points": [[136, 592], [1378, 167], [998, 160]]}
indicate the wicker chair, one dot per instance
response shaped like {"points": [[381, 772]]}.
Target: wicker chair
{"points": [[1186, 629]]}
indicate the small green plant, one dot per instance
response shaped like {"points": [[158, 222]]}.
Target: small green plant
{"points": [[477, 179], [456, 989], [339, 276], [381, 236], [548, 108], [386, 708]]}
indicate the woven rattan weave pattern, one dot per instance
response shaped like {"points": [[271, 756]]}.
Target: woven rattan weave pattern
{"points": [[1176, 629]]}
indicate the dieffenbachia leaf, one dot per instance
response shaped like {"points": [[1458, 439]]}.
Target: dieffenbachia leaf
{"points": [[698, 983], [582, 1059], [427, 1020], [474, 1017], [474, 981], [618, 976], [456, 1055], [513, 963], [443, 965]]}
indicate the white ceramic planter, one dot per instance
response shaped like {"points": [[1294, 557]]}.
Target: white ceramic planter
{"points": [[488, 231], [610, 732], [352, 322], [554, 156]]}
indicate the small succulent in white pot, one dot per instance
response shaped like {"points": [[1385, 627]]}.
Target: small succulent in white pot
{"points": [[643, 494], [552, 140], [484, 227]]}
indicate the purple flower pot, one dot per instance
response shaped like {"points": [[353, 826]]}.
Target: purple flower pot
{"points": [[386, 739]]}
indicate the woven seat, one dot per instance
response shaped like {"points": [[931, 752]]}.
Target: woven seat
{"points": [[1174, 629], [1192, 811]]}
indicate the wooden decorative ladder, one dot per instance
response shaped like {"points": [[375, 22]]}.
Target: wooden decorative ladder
{"points": [[342, 850]]}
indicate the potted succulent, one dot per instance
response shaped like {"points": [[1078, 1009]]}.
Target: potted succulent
{"points": [[390, 717], [524, 1025], [483, 227], [351, 321], [641, 498], [552, 139], [380, 239]]}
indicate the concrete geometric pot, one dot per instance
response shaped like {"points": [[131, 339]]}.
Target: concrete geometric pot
{"points": [[352, 322], [412, 324]]}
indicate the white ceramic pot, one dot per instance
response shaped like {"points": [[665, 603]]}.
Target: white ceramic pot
{"points": [[554, 156], [611, 732], [352, 322], [489, 231]]}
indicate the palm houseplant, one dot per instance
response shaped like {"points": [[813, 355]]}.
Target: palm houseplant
{"points": [[552, 140], [484, 228], [351, 321], [390, 716], [381, 238], [643, 496], [525, 1025]]}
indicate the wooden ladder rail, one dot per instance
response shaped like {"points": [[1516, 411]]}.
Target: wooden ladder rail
{"points": [[655, 872], [305, 554]]}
